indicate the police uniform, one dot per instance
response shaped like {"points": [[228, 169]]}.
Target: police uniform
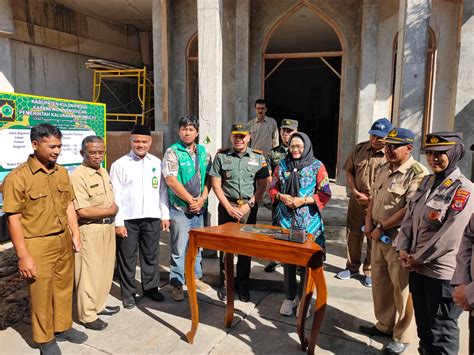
{"points": [[363, 164], [464, 274], [390, 192], [238, 173], [431, 231], [42, 197], [94, 264]]}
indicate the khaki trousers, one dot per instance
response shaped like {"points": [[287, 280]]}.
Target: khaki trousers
{"points": [[51, 290], [355, 238], [94, 269], [393, 305]]}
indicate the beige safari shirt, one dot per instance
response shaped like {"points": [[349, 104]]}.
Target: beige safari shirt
{"points": [[264, 134], [434, 224], [41, 197], [392, 189], [92, 188], [363, 163]]}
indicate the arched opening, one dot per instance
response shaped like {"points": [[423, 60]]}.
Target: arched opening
{"points": [[429, 79], [192, 77], [302, 70]]}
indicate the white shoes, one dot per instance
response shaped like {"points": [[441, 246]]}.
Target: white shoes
{"points": [[308, 313], [288, 306]]}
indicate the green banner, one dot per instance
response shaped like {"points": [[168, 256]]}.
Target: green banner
{"points": [[18, 113]]}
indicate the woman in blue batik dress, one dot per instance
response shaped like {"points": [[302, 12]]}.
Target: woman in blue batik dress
{"points": [[300, 187]]}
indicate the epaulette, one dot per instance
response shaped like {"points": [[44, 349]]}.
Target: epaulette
{"points": [[257, 151], [223, 150], [417, 169]]}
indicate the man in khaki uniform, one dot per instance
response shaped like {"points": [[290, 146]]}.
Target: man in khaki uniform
{"points": [[95, 206], [263, 129], [37, 198], [361, 167], [396, 182]]}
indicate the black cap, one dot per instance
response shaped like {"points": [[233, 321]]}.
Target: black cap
{"points": [[399, 136], [141, 129], [441, 141], [239, 128], [289, 124]]}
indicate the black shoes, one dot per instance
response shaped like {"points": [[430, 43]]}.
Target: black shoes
{"points": [[244, 294], [373, 331], [129, 302], [271, 267], [222, 294], [154, 294], [72, 335], [98, 324], [395, 347], [109, 311], [49, 348]]}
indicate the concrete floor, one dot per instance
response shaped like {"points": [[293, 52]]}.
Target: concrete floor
{"points": [[159, 328]]}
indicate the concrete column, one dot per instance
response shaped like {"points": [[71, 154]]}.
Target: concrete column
{"points": [[368, 71], [6, 61], [242, 69], [160, 67], [410, 83], [464, 110], [210, 34]]}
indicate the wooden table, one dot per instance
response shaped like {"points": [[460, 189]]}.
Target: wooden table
{"points": [[230, 239]]}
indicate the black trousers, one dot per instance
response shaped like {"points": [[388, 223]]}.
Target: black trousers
{"points": [[290, 284], [243, 261], [471, 333], [436, 314], [143, 235]]}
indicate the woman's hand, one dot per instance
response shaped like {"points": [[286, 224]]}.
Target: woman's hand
{"points": [[295, 202]]}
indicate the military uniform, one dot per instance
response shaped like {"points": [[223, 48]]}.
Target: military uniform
{"points": [[363, 164], [274, 156], [238, 174], [390, 192], [42, 197], [94, 266], [431, 231]]}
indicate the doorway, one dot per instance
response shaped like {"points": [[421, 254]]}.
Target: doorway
{"points": [[302, 79]]}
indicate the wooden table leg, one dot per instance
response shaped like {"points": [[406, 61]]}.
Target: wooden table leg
{"points": [[191, 285], [229, 281], [303, 309], [317, 275]]}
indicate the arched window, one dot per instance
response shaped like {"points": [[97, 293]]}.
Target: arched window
{"points": [[192, 77], [430, 65]]}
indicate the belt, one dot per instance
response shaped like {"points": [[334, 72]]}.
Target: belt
{"points": [[109, 220], [238, 201]]}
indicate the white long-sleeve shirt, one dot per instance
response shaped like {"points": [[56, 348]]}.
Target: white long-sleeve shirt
{"points": [[139, 188]]}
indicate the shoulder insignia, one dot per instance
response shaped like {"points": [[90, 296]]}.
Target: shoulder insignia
{"points": [[460, 199], [264, 163], [417, 169], [447, 183], [223, 150], [257, 151]]}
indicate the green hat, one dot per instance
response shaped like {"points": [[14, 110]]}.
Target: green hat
{"points": [[442, 141], [239, 128], [290, 124]]}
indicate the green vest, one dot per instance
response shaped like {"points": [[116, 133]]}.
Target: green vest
{"points": [[186, 169]]}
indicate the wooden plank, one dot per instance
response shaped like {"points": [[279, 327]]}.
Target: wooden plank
{"points": [[302, 55]]}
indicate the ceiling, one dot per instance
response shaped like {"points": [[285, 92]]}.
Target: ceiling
{"points": [[135, 13]]}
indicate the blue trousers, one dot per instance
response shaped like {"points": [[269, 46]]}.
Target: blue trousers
{"points": [[181, 224]]}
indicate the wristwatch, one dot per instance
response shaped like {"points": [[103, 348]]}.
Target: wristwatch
{"points": [[251, 203]]}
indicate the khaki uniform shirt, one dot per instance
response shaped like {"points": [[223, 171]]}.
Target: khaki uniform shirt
{"points": [[363, 163], [41, 197], [92, 188], [434, 223], [464, 274], [275, 156], [264, 135], [392, 189], [239, 172]]}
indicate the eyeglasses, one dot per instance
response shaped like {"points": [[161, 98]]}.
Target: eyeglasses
{"points": [[100, 153], [296, 147], [394, 146]]}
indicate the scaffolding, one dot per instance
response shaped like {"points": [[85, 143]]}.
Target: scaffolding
{"points": [[103, 71]]}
